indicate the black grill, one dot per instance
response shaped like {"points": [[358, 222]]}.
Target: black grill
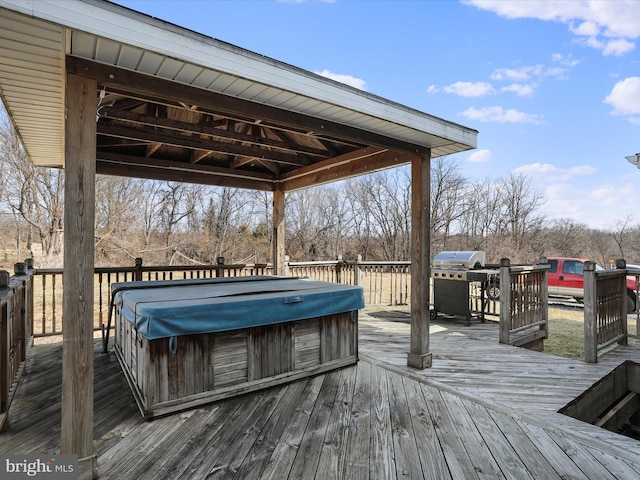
{"points": [[452, 273]]}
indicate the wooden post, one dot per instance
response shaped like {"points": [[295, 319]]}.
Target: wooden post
{"points": [[219, 269], [357, 275], [78, 301], [137, 274], [286, 271], [278, 232], [419, 355], [20, 270], [590, 325], [29, 300], [505, 300], [622, 264], [545, 294], [5, 352]]}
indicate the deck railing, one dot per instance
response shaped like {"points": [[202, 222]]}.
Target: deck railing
{"points": [[384, 284], [16, 309], [605, 309], [524, 305], [47, 319]]}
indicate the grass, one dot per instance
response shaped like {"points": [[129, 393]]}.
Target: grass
{"points": [[566, 329], [566, 332]]}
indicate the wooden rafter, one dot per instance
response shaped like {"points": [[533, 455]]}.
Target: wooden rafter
{"points": [[180, 128]]}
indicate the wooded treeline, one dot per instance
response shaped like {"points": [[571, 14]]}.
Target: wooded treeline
{"points": [[174, 223]]}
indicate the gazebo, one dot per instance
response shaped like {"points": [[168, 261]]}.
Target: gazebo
{"points": [[93, 87]]}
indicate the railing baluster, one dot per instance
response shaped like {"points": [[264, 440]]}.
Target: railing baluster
{"points": [[43, 329], [100, 322], [53, 304]]}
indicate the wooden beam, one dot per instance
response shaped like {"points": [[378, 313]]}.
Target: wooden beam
{"points": [[419, 355], [198, 143], [210, 129], [590, 405], [621, 412], [359, 162], [138, 167], [278, 231], [633, 376], [215, 102], [79, 215]]}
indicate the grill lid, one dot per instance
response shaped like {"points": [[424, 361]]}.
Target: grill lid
{"points": [[460, 260]]}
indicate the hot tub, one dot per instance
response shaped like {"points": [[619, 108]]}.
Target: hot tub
{"points": [[184, 343]]}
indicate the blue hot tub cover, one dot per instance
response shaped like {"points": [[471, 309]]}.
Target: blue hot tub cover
{"points": [[161, 309]]}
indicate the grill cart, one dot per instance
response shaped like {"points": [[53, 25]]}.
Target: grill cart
{"points": [[453, 272]]}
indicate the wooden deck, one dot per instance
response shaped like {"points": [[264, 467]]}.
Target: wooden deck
{"points": [[484, 410]]}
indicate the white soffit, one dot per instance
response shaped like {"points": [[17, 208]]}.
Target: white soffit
{"points": [[118, 36], [32, 84]]}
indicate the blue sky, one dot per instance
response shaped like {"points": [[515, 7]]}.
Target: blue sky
{"points": [[553, 87]]}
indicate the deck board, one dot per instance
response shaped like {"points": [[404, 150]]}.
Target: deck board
{"points": [[483, 411]]}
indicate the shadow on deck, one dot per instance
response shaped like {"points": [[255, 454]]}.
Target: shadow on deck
{"points": [[484, 410]]}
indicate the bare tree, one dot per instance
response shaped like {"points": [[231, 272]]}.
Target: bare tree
{"points": [[520, 218], [179, 201], [388, 199], [447, 199], [227, 222], [307, 226], [33, 193], [620, 234], [564, 237], [117, 214], [481, 205], [150, 203], [357, 192], [339, 217]]}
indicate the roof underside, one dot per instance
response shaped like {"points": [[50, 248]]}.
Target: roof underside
{"points": [[175, 105]]}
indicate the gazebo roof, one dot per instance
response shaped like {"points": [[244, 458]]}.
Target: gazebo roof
{"points": [[178, 105]]}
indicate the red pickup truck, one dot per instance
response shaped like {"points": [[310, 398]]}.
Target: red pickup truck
{"points": [[565, 278]]}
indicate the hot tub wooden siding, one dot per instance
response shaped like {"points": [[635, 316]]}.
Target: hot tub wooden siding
{"points": [[213, 366]]}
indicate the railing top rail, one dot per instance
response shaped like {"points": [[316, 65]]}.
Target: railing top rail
{"points": [[318, 262], [610, 273], [42, 271], [158, 268], [13, 282], [401, 262], [528, 268], [179, 268]]}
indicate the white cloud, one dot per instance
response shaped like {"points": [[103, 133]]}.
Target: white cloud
{"points": [[528, 72], [515, 75], [598, 207], [552, 173], [625, 97], [523, 73], [562, 60], [480, 156], [346, 79], [519, 89], [586, 29], [618, 47], [617, 21], [465, 89], [500, 115]]}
